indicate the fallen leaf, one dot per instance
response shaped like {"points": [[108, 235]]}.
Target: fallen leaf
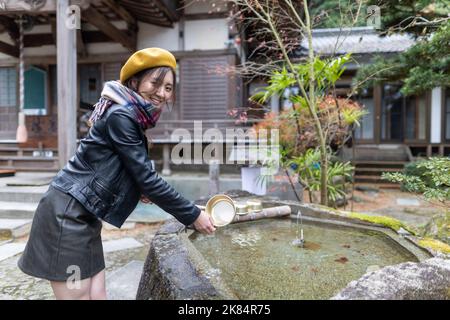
{"points": [[315, 270], [341, 260], [311, 246]]}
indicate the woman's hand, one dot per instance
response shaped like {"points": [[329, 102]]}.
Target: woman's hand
{"points": [[144, 199], [204, 224]]}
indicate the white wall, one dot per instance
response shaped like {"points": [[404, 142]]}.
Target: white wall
{"points": [[42, 28], [154, 36], [436, 110], [47, 50], [106, 48], [209, 34], [205, 34]]}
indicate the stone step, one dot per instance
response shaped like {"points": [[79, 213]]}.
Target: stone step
{"points": [[5, 241], [376, 180], [27, 158], [29, 163], [14, 228], [18, 151], [11, 249], [22, 194], [381, 162], [31, 167], [376, 152], [367, 177], [121, 244], [377, 170], [30, 182], [6, 143], [123, 283], [379, 185], [17, 210]]}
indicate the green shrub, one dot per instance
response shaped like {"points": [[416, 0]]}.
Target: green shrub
{"points": [[433, 183], [418, 170]]}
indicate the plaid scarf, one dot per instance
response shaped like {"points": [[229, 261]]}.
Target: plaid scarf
{"points": [[114, 92]]}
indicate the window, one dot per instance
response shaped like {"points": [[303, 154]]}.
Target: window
{"points": [[392, 113], [90, 84], [415, 117], [35, 88], [8, 87], [365, 131]]}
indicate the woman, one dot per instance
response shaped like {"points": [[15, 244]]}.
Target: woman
{"points": [[105, 179]]}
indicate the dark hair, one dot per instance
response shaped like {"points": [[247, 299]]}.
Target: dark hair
{"points": [[161, 73]]}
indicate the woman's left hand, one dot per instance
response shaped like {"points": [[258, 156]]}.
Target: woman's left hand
{"points": [[144, 199]]}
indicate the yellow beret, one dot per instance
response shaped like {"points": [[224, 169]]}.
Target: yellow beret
{"points": [[147, 58]]}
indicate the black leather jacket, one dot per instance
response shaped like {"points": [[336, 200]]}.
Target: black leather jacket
{"points": [[111, 170]]}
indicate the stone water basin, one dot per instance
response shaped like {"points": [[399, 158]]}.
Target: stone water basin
{"points": [[257, 259]]}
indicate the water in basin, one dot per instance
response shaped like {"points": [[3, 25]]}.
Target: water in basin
{"points": [[257, 259]]}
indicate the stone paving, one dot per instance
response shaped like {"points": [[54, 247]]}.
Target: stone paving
{"points": [[9, 250], [403, 206], [15, 285]]}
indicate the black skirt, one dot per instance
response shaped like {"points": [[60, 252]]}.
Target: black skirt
{"points": [[65, 240]]}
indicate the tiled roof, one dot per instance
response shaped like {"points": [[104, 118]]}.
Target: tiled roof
{"points": [[356, 40]]}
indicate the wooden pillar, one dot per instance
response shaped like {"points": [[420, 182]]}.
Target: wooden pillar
{"points": [[67, 84], [377, 92], [429, 150], [436, 116], [441, 150]]}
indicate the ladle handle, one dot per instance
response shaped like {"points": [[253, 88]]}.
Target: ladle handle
{"points": [[201, 207]]}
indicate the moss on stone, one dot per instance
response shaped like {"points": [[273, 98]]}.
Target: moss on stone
{"points": [[435, 245], [382, 220], [438, 227], [388, 222]]}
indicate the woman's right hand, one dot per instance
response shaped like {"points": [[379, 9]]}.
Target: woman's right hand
{"points": [[204, 223]]}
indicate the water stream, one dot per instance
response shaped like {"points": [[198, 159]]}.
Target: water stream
{"points": [[299, 241]]}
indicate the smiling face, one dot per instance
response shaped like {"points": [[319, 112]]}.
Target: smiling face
{"points": [[156, 86]]}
